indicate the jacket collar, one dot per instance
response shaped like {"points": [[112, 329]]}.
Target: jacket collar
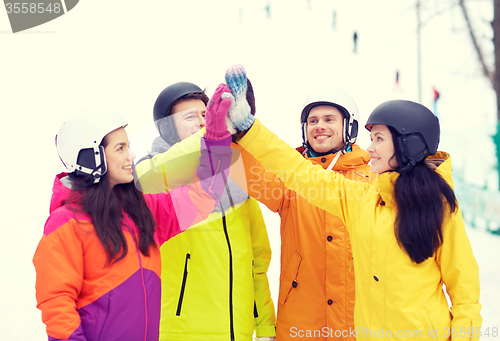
{"points": [[385, 187], [357, 157], [444, 169]]}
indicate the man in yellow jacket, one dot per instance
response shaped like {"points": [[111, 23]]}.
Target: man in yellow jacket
{"points": [[316, 294], [214, 278]]}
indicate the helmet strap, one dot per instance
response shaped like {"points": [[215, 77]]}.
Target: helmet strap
{"points": [[315, 153], [307, 146], [346, 129], [100, 170], [305, 143], [408, 166], [350, 129], [97, 171]]}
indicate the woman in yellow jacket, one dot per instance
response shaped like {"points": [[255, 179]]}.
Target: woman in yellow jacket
{"points": [[407, 232]]}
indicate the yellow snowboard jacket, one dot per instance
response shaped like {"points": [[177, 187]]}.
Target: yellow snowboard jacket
{"points": [[214, 276]]}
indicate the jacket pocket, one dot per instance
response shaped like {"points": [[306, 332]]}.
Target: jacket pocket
{"points": [[428, 326], [94, 316], [183, 286], [289, 280]]}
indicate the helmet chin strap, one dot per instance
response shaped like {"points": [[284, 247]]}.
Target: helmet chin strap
{"points": [[309, 148], [333, 151], [346, 136], [408, 167], [307, 145]]}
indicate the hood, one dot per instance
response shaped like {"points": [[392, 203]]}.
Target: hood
{"points": [[159, 145], [60, 191]]}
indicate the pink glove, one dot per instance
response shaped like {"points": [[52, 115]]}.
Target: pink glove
{"points": [[217, 109]]}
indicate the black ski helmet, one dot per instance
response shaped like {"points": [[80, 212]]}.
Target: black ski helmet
{"points": [[162, 109], [417, 127], [169, 95]]}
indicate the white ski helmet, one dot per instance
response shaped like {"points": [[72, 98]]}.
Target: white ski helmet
{"points": [[78, 141], [342, 101]]}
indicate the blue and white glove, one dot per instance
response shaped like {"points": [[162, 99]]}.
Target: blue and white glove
{"points": [[240, 116]]}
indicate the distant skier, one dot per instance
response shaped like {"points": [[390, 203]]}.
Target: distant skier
{"points": [[334, 20], [355, 39], [268, 10], [397, 86], [436, 97]]}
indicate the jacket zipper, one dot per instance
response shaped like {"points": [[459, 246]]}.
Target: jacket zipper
{"points": [[255, 312], [231, 321], [224, 224], [143, 282], [183, 287], [213, 178], [145, 297]]}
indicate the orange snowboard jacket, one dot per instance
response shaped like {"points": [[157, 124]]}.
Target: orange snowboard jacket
{"points": [[316, 293]]}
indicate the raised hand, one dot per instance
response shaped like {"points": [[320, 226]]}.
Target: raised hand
{"points": [[241, 112], [217, 109]]}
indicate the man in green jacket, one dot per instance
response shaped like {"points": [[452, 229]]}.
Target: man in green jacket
{"points": [[214, 276]]}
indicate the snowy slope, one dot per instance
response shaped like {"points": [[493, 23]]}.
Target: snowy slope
{"points": [[120, 55]]}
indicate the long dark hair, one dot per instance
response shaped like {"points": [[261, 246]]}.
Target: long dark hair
{"points": [[105, 206], [422, 198]]}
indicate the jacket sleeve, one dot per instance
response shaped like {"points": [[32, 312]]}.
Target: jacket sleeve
{"points": [[58, 263], [264, 312], [170, 169], [460, 274], [263, 184], [328, 190], [192, 204]]}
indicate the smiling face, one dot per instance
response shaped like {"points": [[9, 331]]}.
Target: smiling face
{"points": [[118, 157], [189, 116], [324, 128], [381, 150]]}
